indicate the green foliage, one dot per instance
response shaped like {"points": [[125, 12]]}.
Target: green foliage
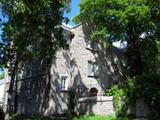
{"points": [[158, 57], [126, 20], [112, 14], [33, 30], [95, 117], [124, 118], [153, 115], [117, 93], [148, 87], [137, 22], [39, 117], [2, 75], [71, 102], [144, 86]]}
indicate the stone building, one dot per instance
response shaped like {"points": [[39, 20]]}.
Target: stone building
{"points": [[88, 68]]}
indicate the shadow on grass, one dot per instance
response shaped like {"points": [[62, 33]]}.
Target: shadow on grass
{"points": [[35, 117], [81, 117]]}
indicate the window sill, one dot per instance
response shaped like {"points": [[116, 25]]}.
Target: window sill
{"points": [[64, 90], [93, 76], [91, 49]]}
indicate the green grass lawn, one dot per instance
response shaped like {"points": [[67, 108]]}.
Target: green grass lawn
{"points": [[38, 117], [94, 117]]}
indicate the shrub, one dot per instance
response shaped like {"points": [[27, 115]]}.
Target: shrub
{"points": [[39, 117], [145, 86], [71, 102], [148, 87], [117, 92], [2, 115]]}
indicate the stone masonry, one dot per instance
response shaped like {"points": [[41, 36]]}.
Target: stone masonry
{"points": [[48, 94]]}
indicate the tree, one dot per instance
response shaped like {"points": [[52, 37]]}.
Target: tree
{"points": [[137, 22], [2, 75], [134, 21], [32, 32]]}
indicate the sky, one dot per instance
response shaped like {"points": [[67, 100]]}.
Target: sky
{"points": [[73, 12], [4, 19], [0, 18]]}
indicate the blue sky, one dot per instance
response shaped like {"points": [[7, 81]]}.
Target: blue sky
{"points": [[4, 19], [74, 10], [0, 18]]}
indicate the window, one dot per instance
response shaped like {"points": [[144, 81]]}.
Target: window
{"points": [[64, 83], [93, 69], [91, 45], [93, 91]]}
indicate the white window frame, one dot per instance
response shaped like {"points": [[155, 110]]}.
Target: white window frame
{"points": [[93, 69], [64, 82]]}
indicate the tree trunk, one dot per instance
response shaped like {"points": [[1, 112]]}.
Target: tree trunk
{"points": [[10, 91], [16, 95], [133, 51]]}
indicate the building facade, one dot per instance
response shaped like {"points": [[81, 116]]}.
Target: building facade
{"points": [[87, 68]]}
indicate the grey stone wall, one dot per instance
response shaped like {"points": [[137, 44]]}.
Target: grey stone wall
{"points": [[44, 95], [101, 105], [140, 109], [74, 63], [109, 60]]}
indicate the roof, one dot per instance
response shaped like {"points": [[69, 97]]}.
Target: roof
{"points": [[70, 27], [120, 45]]}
